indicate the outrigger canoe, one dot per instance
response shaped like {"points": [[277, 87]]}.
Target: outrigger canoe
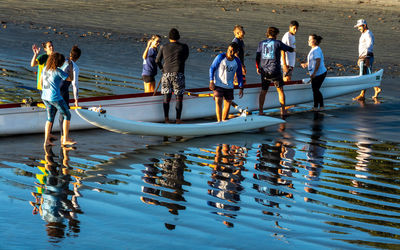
{"points": [[18, 118], [124, 126]]}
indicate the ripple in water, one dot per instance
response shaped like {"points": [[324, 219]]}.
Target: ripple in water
{"points": [[306, 184]]}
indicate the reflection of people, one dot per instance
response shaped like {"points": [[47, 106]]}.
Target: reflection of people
{"points": [[165, 180], [149, 64], [276, 169], [268, 63], [288, 61], [51, 96], [222, 73], [315, 155], [365, 54], [52, 197], [226, 178], [171, 60], [316, 67]]}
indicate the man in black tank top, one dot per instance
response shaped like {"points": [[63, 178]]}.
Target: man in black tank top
{"points": [[171, 60]]}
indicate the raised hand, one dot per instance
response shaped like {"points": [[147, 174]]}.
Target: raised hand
{"points": [[35, 49]]}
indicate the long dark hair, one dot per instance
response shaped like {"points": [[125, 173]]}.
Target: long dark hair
{"points": [[54, 61]]}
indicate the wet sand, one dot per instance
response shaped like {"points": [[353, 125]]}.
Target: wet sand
{"points": [[112, 35]]}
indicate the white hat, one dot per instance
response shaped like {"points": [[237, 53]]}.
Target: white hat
{"points": [[360, 22]]}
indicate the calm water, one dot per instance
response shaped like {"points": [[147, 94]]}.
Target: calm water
{"points": [[322, 180]]}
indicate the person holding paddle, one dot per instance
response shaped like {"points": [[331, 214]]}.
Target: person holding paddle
{"points": [[222, 75]]}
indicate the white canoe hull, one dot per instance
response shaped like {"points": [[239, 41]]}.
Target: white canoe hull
{"points": [[15, 119], [124, 126]]}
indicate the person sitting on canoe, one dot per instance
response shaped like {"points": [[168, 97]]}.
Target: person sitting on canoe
{"points": [[50, 81], [173, 55], [222, 74], [268, 63]]}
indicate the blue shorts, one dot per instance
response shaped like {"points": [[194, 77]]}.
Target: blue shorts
{"points": [[53, 106]]}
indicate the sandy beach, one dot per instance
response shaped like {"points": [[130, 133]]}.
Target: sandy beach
{"points": [[113, 34]]}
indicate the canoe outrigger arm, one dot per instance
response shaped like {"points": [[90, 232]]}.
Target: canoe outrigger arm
{"points": [[243, 111], [97, 109]]}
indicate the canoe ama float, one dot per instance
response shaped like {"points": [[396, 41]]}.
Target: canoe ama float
{"points": [[124, 126]]}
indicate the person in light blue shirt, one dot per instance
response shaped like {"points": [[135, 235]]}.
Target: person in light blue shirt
{"points": [[222, 75], [317, 70], [51, 78]]}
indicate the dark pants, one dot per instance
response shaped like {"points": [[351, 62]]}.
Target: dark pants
{"points": [[64, 91], [316, 83]]}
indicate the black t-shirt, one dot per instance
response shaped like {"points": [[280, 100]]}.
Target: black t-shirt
{"points": [[173, 56]]}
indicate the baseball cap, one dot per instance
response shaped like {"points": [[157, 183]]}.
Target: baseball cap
{"points": [[360, 22]]}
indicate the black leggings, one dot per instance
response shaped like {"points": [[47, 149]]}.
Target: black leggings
{"points": [[178, 107], [316, 83]]}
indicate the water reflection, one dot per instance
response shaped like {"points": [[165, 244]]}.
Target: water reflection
{"points": [[315, 155], [226, 178], [165, 180], [52, 200], [274, 171]]}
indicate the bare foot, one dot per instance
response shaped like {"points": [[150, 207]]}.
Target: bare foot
{"points": [[178, 121], [68, 143], [166, 120], [261, 113], [48, 143], [53, 137], [359, 98], [377, 91]]}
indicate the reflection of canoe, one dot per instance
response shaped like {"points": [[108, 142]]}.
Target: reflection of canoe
{"points": [[15, 119], [119, 125]]}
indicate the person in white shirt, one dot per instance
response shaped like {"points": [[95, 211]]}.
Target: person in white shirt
{"points": [[316, 67], [289, 60], [222, 73], [72, 69], [365, 55]]}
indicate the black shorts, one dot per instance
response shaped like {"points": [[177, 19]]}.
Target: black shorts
{"points": [[267, 79], [227, 94], [148, 78]]}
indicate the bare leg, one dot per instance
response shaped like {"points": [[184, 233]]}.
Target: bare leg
{"points": [[261, 100], [282, 100], [149, 87], [218, 108], [377, 91], [227, 105], [361, 96], [67, 140], [287, 78], [47, 130]]}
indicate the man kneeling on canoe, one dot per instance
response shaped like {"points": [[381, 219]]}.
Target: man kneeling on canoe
{"points": [[222, 74]]}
